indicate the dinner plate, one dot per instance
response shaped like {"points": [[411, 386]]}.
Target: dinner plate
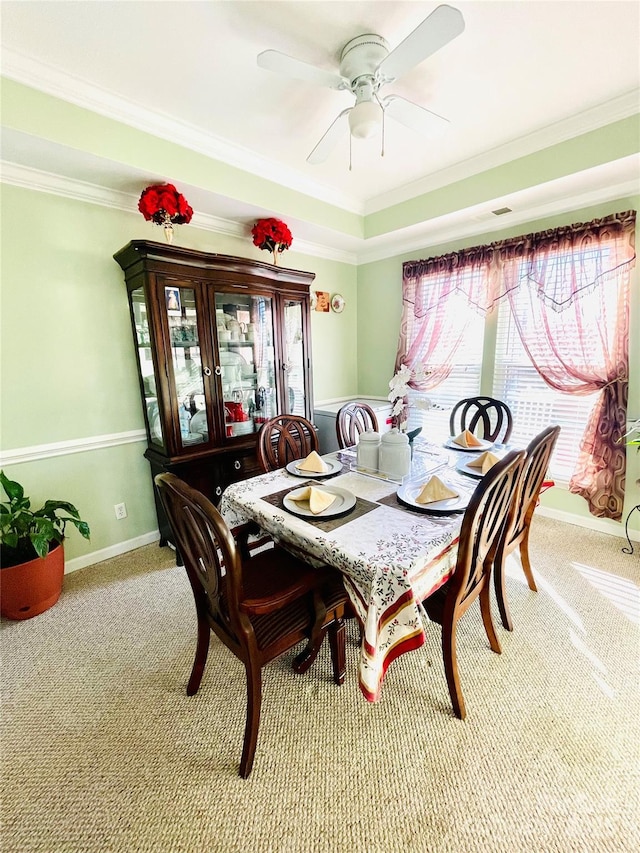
{"points": [[343, 504], [198, 422], [464, 468], [408, 493], [334, 467], [484, 445]]}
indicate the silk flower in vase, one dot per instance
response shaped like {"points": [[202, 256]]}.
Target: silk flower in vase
{"points": [[272, 235], [163, 205]]}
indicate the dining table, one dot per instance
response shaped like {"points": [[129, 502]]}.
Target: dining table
{"points": [[392, 554]]}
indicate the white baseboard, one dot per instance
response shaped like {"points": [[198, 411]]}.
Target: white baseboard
{"points": [[111, 551], [602, 525]]}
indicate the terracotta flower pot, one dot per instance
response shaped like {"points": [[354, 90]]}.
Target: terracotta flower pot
{"points": [[31, 588]]}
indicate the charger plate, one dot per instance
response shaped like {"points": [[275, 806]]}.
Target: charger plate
{"points": [[343, 504], [408, 493], [334, 467]]}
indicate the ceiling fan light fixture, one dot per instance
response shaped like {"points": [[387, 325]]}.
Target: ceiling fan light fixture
{"points": [[365, 119]]}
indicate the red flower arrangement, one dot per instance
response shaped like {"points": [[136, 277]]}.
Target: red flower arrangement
{"points": [[273, 235], [163, 204]]}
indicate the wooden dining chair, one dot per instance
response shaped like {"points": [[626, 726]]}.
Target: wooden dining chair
{"points": [[539, 453], [283, 439], [490, 510], [259, 606], [485, 417], [354, 418]]}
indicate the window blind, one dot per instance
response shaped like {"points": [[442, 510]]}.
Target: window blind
{"points": [[533, 403], [463, 381]]}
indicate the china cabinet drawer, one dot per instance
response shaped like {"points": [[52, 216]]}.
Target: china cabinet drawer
{"points": [[236, 466]]}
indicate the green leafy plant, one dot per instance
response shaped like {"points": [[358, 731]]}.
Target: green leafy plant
{"points": [[633, 434], [26, 533]]}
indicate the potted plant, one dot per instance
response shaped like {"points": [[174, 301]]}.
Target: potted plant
{"points": [[32, 551]]}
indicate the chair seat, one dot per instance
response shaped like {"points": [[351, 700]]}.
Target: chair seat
{"points": [[278, 593], [273, 578], [294, 617]]}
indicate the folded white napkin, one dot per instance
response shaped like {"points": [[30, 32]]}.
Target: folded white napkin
{"points": [[313, 463], [435, 490], [318, 499], [485, 461], [467, 439]]}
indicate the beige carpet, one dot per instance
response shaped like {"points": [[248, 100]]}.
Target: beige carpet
{"points": [[103, 751]]}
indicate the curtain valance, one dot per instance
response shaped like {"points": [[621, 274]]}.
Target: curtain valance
{"points": [[557, 264]]}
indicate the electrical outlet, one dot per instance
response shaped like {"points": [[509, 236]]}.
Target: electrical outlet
{"points": [[120, 510]]}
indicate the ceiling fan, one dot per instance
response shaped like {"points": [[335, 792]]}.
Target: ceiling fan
{"points": [[366, 65]]}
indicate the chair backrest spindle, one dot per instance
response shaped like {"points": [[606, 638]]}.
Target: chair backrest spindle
{"points": [[353, 419], [486, 417], [284, 439]]}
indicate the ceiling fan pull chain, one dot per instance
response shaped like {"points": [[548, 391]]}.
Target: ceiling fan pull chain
{"points": [[382, 149], [350, 152]]}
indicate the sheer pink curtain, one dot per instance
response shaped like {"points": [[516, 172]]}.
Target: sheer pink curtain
{"points": [[436, 297], [568, 290]]}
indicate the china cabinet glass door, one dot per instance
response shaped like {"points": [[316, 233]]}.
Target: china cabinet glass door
{"points": [[246, 355], [294, 358], [145, 363], [186, 357]]}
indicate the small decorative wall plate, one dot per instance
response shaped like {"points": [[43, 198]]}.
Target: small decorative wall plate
{"points": [[337, 303], [314, 300]]}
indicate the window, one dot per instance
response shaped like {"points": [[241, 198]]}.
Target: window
{"points": [[463, 381], [533, 403], [561, 341]]}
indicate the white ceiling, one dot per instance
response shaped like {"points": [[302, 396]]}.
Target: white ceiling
{"points": [[520, 73]]}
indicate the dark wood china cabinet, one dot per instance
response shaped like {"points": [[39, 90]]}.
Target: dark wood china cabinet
{"points": [[222, 344]]}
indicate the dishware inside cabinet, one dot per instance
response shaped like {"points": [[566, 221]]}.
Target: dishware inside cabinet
{"points": [[222, 344]]}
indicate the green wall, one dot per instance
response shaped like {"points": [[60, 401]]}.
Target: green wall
{"points": [[67, 356]]}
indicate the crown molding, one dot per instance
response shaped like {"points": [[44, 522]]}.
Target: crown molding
{"points": [[41, 181], [29, 178], [59, 84], [480, 220], [50, 80], [465, 223], [611, 111]]}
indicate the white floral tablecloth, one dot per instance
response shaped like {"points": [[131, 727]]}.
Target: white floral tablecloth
{"points": [[391, 558]]}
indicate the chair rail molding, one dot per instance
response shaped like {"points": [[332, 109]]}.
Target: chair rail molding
{"points": [[38, 452]]}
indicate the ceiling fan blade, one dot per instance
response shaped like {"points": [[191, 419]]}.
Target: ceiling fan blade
{"points": [[273, 60], [439, 28], [414, 116], [329, 140]]}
